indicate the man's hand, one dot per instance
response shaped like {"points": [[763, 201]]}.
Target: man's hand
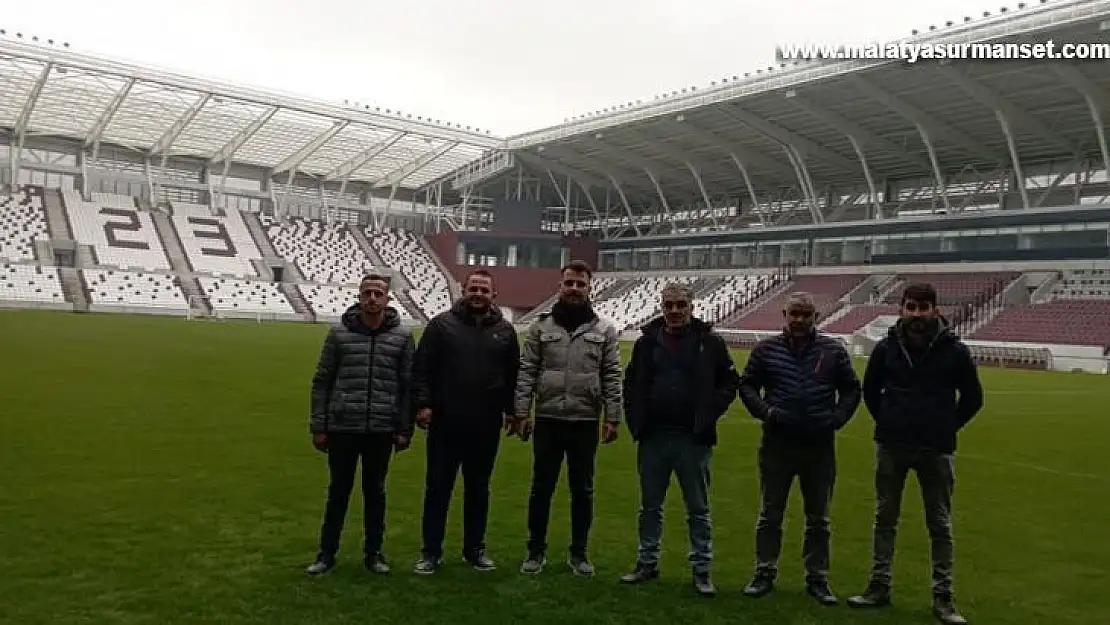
{"points": [[320, 442], [509, 425], [423, 418], [609, 432], [524, 427], [401, 442]]}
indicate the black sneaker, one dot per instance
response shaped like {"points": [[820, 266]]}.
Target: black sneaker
{"points": [[876, 595], [761, 585], [642, 573], [320, 566], [427, 565], [703, 584], [533, 564], [944, 608], [819, 590], [375, 563], [480, 561]]}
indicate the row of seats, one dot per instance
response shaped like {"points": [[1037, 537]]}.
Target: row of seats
{"points": [[826, 292], [324, 253], [22, 222], [31, 283], [402, 252], [327, 300]]}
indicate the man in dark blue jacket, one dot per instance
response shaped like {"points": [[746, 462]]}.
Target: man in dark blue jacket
{"points": [[678, 383], [464, 376], [809, 391], [910, 388]]}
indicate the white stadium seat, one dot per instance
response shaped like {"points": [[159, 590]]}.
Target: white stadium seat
{"points": [[723, 300], [120, 234], [134, 289], [227, 295], [22, 222], [333, 301], [217, 245], [401, 250], [30, 283], [639, 304], [324, 253]]}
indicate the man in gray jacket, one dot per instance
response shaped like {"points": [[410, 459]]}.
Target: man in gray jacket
{"points": [[361, 409], [570, 365]]}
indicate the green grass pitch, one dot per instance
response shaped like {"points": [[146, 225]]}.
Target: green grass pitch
{"points": [[159, 471]]}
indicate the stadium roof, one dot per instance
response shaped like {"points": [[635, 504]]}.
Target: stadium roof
{"points": [[51, 91], [825, 114]]}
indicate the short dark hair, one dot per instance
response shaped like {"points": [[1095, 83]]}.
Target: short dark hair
{"points": [[377, 277], [920, 292], [579, 266], [479, 272]]}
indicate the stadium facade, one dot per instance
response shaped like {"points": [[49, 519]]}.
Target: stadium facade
{"points": [[142, 191]]}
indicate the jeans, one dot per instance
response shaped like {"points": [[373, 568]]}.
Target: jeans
{"points": [[552, 441], [344, 452], [815, 467], [936, 474], [658, 456], [474, 451]]}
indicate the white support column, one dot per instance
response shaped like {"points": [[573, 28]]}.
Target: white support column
{"points": [[759, 212], [941, 187], [807, 193], [1018, 174], [1100, 130], [627, 206], [704, 195], [662, 198], [867, 176]]}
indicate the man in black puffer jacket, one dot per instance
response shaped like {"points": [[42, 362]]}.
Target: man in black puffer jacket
{"points": [[678, 383], [809, 392], [361, 403], [910, 387], [465, 380]]}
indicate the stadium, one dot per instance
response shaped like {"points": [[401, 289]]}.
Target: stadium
{"points": [[173, 248]]}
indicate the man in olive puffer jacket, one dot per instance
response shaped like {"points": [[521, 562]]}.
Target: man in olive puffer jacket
{"points": [[361, 407]]}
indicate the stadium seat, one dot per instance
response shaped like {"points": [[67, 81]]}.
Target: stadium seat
{"points": [[220, 246], [22, 222], [401, 251], [120, 234], [131, 289], [324, 253], [228, 295], [826, 290], [330, 301], [31, 284]]}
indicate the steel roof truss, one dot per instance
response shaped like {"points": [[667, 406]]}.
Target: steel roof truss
{"points": [[580, 177], [781, 135], [162, 146], [938, 175], [294, 160], [624, 202], [662, 198], [1018, 178], [704, 195], [873, 196], [19, 133], [759, 211], [1096, 99], [227, 152], [360, 160], [399, 175], [747, 154], [92, 138]]}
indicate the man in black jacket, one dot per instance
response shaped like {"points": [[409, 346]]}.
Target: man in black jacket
{"points": [[910, 388], [361, 409], [679, 382], [809, 391], [464, 377]]}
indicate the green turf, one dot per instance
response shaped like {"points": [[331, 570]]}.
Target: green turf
{"points": [[159, 471]]}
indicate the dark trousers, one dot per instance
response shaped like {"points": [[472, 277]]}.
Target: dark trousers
{"points": [[552, 441], [659, 456], [936, 474], [815, 467], [474, 451], [344, 451]]}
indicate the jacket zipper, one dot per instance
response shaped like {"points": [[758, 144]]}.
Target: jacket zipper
{"points": [[370, 381]]}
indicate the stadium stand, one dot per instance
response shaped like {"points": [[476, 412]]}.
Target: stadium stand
{"points": [[22, 222], [324, 253], [638, 304], [216, 245], [120, 234], [826, 289], [231, 297], [1077, 314], [134, 290], [1011, 357], [30, 284], [728, 296], [330, 301], [402, 252]]}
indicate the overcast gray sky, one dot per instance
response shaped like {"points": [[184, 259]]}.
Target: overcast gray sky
{"points": [[504, 65]]}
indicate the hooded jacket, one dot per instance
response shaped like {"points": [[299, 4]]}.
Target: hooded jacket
{"points": [[911, 392], [803, 394], [466, 367], [572, 375], [364, 377], [713, 380]]}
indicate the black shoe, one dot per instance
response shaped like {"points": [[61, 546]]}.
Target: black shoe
{"points": [[761, 585], [480, 561], [427, 565], [945, 610], [580, 565], [819, 590], [533, 564], [703, 584], [642, 573], [375, 563], [320, 566], [876, 595]]}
